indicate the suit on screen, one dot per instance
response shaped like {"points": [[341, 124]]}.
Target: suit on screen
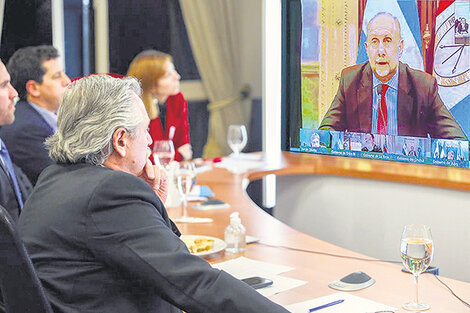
{"points": [[421, 111]]}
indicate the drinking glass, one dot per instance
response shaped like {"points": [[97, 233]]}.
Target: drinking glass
{"points": [[237, 138], [164, 151], [416, 253], [185, 179]]}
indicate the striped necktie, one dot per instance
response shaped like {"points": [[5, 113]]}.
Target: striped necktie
{"points": [[11, 172]]}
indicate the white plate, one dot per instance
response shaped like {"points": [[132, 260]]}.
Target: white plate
{"points": [[218, 245]]}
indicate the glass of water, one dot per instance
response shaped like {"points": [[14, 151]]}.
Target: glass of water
{"points": [[417, 250]]}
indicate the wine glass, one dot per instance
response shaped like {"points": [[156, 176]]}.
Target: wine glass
{"points": [[416, 253], [237, 138], [163, 151], [185, 178]]}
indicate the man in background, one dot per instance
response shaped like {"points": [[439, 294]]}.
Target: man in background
{"points": [[95, 226], [14, 186], [38, 75], [384, 96]]}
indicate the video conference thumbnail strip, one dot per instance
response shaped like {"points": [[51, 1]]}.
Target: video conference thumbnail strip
{"points": [[446, 152]]}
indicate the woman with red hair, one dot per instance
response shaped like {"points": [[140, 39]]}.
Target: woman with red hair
{"points": [[165, 104]]}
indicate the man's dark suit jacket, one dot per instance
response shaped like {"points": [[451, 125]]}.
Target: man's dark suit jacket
{"points": [[7, 194], [101, 241], [420, 110], [25, 138]]}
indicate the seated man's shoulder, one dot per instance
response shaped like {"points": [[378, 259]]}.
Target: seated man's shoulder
{"points": [[418, 75], [354, 70], [25, 117], [92, 179], [23, 110], [118, 179]]}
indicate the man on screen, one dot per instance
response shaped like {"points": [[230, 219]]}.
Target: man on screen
{"points": [[385, 96], [369, 144]]}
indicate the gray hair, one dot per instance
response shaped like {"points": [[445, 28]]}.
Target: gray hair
{"points": [[395, 19], [93, 107]]}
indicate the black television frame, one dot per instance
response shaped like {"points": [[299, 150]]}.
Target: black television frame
{"points": [[291, 117]]}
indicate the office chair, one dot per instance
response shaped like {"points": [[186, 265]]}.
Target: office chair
{"points": [[20, 287]]}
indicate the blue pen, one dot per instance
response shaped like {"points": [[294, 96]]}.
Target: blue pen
{"points": [[326, 305]]}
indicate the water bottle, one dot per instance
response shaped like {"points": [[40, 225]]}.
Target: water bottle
{"points": [[235, 235]]}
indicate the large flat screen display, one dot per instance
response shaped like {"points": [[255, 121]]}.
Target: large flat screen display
{"points": [[377, 79]]}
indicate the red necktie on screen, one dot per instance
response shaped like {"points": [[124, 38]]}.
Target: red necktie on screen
{"points": [[382, 117]]}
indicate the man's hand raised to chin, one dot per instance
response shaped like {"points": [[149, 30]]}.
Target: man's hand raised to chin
{"points": [[157, 179]]}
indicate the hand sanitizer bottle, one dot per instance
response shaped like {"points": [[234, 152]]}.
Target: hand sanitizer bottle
{"points": [[235, 235]]}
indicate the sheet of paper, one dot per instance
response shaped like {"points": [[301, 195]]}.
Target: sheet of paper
{"points": [[243, 267], [351, 304], [280, 284], [246, 156], [240, 164], [203, 168]]}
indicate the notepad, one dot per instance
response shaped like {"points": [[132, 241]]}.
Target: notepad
{"points": [[351, 304]]}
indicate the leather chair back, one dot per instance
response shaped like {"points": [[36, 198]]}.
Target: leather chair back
{"points": [[20, 287]]}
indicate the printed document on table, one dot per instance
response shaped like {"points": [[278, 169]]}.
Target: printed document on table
{"points": [[241, 163], [243, 268], [280, 284], [351, 304]]}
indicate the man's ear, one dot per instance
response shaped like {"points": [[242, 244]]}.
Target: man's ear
{"points": [[400, 47], [366, 45], [120, 141], [32, 88]]}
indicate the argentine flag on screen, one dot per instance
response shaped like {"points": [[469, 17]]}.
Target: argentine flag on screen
{"points": [[406, 11]]}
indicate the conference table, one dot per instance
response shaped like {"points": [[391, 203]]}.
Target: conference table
{"points": [[280, 244]]}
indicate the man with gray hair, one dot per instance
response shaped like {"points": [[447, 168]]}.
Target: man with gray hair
{"points": [[385, 96], [95, 226]]}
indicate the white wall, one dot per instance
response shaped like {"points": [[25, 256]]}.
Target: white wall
{"points": [[367, 216], [250, 40]]}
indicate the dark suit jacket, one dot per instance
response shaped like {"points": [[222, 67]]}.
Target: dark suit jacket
{"points": [[25, 138], [101, 241], [7, 194], [374, 149], [420, 109]]}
